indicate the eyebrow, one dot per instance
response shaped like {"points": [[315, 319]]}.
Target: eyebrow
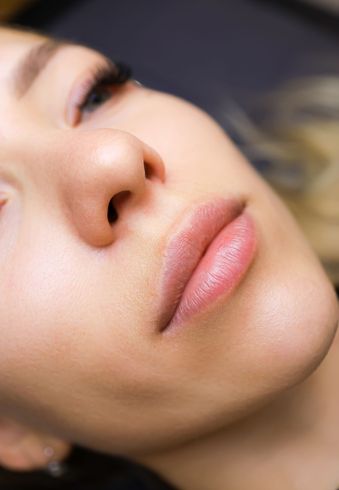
{"points": [[33, 63]]}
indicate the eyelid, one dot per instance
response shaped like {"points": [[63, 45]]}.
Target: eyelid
{"points": [[79, 87]]}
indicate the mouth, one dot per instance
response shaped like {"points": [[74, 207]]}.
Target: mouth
{"points": [[205, 259]]}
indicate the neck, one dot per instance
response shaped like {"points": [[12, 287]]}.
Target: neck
{"points": [[284, 445]]}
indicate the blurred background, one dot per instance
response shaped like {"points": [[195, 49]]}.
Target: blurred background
{"points": [[203, 50]]}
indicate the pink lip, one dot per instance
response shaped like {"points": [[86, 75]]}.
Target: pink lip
{"points": [[205, 259]]}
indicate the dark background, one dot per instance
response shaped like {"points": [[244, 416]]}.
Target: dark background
{"points": [[208, 51], [203, 50]]}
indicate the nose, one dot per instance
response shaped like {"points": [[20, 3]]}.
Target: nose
{"points": [[108, 174]]}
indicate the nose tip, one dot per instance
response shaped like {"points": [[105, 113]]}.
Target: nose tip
{"points": [[106, 178]]}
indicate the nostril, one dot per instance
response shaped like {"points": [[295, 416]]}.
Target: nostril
{"points": [[148, 171], [115, 204], [112, 214]]}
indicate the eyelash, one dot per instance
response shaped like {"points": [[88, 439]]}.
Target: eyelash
{"points": [[103, 78]]}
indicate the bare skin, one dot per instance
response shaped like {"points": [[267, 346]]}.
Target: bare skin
{"points": [[83, 359], [291, 443]]}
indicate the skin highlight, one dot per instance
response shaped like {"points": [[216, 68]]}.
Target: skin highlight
{"points": [[82, 359]]}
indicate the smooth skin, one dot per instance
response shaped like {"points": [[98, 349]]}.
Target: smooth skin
{"points": [[82, 358]]}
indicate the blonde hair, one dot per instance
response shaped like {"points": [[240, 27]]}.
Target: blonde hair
{"points": [[295, 145]]}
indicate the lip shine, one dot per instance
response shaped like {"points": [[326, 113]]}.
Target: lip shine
{"points": [[220, 269]]}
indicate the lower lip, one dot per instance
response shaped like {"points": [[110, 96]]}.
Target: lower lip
{"points": [[219, 271]]}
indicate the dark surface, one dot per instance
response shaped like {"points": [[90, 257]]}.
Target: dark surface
{"points": [[203, 50], [87, 470], [206, 51]]}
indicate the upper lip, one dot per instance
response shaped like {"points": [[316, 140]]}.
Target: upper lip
{"points": [[186, 246]]}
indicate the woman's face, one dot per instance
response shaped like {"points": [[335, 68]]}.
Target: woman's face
{"points": [[84, 352]]}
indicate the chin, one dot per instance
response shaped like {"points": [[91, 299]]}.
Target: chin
{"points": [[302, 337], [288, 328]]}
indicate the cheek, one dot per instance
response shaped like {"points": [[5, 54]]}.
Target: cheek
{"points": [[58, 292], [67, 334], [36, 319], [198, 155]]}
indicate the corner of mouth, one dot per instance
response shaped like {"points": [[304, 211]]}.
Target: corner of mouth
{"points": [[217, 214]]}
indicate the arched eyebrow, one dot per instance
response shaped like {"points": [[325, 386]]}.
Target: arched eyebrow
{"points": [[33, 63]]}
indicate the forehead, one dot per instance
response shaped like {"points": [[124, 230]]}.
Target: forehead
{"points": [[14, 43], [11, 36]]}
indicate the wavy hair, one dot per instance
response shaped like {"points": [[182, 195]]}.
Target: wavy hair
{"points": [[292, 137]]}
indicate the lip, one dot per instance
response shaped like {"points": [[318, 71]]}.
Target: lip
{"points": [[205, 259]]}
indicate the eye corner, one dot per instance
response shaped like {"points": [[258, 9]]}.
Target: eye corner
{"points": [[3, 200]]}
